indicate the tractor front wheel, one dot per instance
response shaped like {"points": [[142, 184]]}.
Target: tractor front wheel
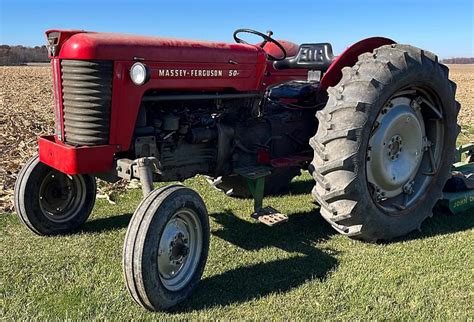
{"points": [[166, 247], [385, 143], [50, 202]]}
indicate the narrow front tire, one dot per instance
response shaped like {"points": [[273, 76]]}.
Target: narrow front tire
{"points": [[166, 247], [50, 202]]}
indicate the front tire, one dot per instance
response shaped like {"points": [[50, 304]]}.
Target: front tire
{"points": [[166, 247], [385, 143], [50, 202]]}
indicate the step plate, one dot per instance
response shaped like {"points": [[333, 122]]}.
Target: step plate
{"points": [[270, 216], [253, 172]]}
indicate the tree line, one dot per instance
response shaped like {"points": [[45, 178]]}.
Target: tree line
{"points": [[19, 55], [458, 60]]}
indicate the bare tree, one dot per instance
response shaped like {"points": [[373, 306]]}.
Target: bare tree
{"points": [[18, 55], [458, 60]]}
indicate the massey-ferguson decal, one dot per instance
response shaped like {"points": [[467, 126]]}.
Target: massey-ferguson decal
{"points": [[197, 73]]}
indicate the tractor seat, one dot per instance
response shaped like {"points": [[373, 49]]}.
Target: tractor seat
{"points": [[309, 56], [293, 89]]}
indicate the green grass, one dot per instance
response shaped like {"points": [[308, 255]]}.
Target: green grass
{"points": [[301, 269]]}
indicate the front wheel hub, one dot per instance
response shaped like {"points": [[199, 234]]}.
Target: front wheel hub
{"points": [[395, 148], [179, 249], [61, 196]]}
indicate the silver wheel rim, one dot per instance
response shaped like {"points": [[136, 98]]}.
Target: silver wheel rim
{"points": [[61, 196], [404, 149], [180, 249]]}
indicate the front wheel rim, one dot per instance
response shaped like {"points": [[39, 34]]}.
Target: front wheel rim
{"points": [[61, 196], [179, 249], [404, 149]]}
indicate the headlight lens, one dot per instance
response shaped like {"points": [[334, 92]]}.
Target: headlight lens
{"points": [[139, 74]]}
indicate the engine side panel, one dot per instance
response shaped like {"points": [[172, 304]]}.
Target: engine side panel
{"points": [[126, 97]]}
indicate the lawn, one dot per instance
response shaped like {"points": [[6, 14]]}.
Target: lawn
{"points": [[301, 269]]}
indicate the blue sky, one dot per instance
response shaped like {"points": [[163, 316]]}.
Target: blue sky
{"points": [[445, 27]]}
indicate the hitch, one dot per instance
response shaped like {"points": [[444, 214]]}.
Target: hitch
{"points": [[255, 177]]}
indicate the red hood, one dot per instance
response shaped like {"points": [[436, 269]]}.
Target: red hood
{"points": [[112, 46]]}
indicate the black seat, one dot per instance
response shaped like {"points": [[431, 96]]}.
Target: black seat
{"points": [[310, 56], [293, 89]]}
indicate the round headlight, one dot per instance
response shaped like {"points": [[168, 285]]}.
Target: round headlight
{"points": [[139, 74]]}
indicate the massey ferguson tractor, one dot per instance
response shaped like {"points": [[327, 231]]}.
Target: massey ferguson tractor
{"points": [[375, 126]]}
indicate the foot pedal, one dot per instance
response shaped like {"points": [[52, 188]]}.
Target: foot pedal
{"points": [[269, 216]]}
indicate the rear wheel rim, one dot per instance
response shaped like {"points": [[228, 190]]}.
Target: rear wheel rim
{"points": [[179, 250], [61, 196], [404, 149]]}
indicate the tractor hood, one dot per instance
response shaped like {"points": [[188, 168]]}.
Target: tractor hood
{"points": [[73, 44]]}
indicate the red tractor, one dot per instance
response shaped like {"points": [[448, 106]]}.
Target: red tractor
{"points": [[375, 126]]}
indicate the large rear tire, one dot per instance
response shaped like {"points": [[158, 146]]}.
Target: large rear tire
{"points": [[50, 202], [385, 143]]}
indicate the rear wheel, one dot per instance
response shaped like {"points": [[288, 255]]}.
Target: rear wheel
{"points": [[385, 143], [50, 202]]}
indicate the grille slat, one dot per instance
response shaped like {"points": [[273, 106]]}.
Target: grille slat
{"points": [[87, 95], [83, 105]]}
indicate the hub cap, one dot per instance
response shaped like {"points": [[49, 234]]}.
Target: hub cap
{"points": [[396, 147], [61, 196], [401, 156], [179, 250]]}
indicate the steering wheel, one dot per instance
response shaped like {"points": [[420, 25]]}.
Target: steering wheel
{"points": [[266, 38]]}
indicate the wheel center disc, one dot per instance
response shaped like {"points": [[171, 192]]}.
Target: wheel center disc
{"points": [[55, 193], [61, 196], [173, 249], [179, 249], [396, 147]]}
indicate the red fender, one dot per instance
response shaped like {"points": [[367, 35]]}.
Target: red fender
{"points": [[349, 58]]}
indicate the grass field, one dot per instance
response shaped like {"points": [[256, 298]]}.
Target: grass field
{"points": [[299, 270], [302, 269]]}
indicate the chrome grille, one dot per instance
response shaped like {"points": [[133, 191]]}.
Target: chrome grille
{"points": [[87, 95]]}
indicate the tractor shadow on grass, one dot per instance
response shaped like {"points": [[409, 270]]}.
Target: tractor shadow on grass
{"points": [[301, 187], [442, 223], [100, 225], [244, 284], [302, 229]]}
